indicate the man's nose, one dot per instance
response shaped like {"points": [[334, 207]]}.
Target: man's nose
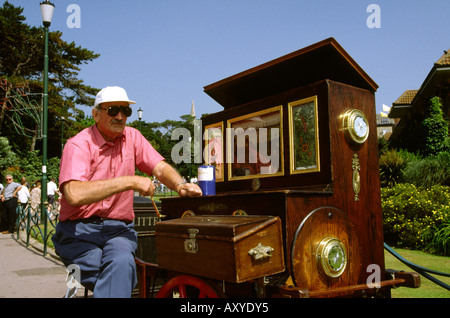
{"points": [[120, 116]]}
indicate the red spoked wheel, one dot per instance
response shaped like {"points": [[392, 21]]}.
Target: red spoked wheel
{"points": [[187, 287]]}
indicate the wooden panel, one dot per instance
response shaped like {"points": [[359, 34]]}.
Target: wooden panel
{"points": [[365, 214], [322, 223]]}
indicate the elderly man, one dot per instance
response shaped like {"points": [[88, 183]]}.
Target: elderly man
{"points": [[97, 180], [9, 199]]}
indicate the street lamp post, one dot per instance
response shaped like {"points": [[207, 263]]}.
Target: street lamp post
{"points": [[47, 9], [140, 111], [62, 135]]}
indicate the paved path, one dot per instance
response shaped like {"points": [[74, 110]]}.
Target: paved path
{"points": [[26, 273]]}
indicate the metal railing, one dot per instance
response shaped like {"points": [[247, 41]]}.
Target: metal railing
{"points": [[31, 221]]}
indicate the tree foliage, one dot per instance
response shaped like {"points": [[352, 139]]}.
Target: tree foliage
{"points": [[160, 136], [435, 129], [7, 156], [21, 64]]}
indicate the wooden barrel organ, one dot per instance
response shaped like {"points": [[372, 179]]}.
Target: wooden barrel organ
{"points": [[312, 113]]}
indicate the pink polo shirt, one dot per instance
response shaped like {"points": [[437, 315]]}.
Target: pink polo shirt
{"points": [[88, 157]]}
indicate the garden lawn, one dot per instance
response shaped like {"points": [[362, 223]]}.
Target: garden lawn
{"points": [[427, 288]]}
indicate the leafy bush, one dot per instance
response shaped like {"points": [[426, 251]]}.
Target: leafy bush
{"points": [[26, 164], [441, 239], [417, 218], [429, 171], [403, 166], [7, 157], [392, 166]]}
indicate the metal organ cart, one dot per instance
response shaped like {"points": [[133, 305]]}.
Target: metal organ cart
{"points": [[297, 209]]}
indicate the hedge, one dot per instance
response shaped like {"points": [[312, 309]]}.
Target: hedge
{"points": [[417, 218]]}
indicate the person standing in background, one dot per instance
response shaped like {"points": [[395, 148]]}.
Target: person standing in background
{"points": [[9, 199], [52, 188], [23, 194], [35, 200]]}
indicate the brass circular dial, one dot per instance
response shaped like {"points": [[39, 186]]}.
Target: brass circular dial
{"points": [[356, 126], [331, 257]]}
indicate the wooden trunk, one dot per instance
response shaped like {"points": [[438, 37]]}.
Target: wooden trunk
{"points": [[229, 248]]}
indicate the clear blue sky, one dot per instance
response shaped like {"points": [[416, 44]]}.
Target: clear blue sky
{"points": [[163, 52]]}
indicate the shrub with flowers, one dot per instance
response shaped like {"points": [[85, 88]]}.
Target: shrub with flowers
{"points": [[417, 218]]}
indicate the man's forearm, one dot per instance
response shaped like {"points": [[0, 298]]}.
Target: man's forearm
{"points": [[171, 178], [86, 192], [167, 175]]}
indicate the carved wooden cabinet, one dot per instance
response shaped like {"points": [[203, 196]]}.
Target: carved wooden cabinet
{"points": [[304, 126]]}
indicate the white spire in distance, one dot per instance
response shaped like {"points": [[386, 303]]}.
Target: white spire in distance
{"points": [[192, 109]]}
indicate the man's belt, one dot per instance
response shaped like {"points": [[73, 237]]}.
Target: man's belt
{"points": [[96, 218]]}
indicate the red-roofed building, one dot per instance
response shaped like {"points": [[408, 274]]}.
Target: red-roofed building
{"points": [[412, 106]]}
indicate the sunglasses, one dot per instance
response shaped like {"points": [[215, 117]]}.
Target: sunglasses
{"points": [[114, 110]]}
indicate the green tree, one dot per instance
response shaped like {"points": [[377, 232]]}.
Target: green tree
{"points": [[160, 136], [7, 157], [21, 64], [435, 129]]}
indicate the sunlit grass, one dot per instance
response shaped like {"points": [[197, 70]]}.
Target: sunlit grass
{"points": [[427, 289]]}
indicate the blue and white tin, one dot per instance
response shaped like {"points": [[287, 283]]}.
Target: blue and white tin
{"points": [[207, 179]]}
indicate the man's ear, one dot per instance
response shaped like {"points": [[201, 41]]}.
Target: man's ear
{"points": [[95, 114]]}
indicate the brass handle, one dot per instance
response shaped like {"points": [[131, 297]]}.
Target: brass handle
{"points": [[261, 252]]}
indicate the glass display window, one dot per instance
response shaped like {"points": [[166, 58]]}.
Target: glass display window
{"points": [[254, 144], [213, 151], [304, 136]]}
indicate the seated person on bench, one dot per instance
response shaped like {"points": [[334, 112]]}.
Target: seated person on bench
{"points": [[97, 180]]}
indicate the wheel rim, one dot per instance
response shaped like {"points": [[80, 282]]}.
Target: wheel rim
{"points": [[181, 283]]}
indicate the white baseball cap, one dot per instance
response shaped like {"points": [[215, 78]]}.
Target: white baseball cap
{"points": [[112, 94]]}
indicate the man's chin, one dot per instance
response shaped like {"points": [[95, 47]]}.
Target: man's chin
{"points": [[116, 130]]}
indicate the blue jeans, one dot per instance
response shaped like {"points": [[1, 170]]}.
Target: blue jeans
{"points": [[104, 250]]}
